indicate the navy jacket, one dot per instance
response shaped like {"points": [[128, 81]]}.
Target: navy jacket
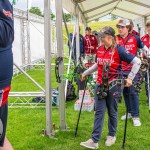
{"points": [[74, 46], [6, 40]]}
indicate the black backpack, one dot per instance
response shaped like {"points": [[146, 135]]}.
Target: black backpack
{"points": [[70, 91]]}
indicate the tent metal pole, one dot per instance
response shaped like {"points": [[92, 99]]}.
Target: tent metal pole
{"points": [[61, 86], [77, 36], [47, 39]]}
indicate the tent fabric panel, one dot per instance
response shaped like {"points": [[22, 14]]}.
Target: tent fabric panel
{"points": [[103, 9]]}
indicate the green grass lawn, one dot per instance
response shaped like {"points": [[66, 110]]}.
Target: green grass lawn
{"points": [[25, 125]]}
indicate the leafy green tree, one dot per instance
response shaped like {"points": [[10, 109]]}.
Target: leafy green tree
{"points": [[114, 17], [52, 16], [67, 17], [36, 10], [96, 20]]}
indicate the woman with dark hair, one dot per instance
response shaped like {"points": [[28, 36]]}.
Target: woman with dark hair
{"points": [[109, 56]]}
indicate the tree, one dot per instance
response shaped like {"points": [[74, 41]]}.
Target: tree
{"points": [[67, 17], [96, 20], [36, 10], [113, 17], [52, 16]]}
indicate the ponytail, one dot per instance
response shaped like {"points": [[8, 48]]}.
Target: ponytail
{"points": [[114, 43]]}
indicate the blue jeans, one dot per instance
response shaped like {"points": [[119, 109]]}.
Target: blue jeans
{"points": [[131, 99], [100, 108]]}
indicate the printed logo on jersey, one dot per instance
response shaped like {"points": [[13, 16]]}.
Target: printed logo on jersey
{"points": [[100, 52], [129, 47], [101, 61]]}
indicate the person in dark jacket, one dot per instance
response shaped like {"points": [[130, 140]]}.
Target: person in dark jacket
{"points": [[74, 55], [6, 66]]}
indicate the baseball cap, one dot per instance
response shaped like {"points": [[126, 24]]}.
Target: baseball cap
{"points": [[123, 22], [106, 31], [88, 29]]}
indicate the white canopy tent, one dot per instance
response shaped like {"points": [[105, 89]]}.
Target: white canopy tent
{"points": [[93, 9], [84, 11]]}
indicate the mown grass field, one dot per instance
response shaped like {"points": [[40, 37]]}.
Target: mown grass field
{"points": [[25, 125]]}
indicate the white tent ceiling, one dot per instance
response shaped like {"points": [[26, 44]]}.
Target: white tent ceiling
{"points": [[93, 9]]}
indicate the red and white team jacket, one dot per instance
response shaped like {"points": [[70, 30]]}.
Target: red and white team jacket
{"points": [[112, 59], [131, 43], [146, 40], [90, 41]]}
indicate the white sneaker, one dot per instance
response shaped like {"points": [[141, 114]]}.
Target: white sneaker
{"points": [[110, 140], [136, 122], [89, 144], [124, 116]]}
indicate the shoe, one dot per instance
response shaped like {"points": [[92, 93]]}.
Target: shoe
{"points": [[136, 122], [110, 140], [124, 116], [89, 144]]}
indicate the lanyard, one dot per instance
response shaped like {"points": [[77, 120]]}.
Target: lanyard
{"points": [[125, 42]]}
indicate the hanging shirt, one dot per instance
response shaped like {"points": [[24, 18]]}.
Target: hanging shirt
{"points": [[90, 40], [6, 39], [146, 40], [131, 43]]}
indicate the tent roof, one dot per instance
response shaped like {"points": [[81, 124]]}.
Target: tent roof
{"points": [[94, 9]]}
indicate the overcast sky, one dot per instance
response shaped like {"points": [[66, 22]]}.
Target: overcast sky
{"points": [[22, 4]]}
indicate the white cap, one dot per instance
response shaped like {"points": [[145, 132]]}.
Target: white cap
{"points": [[123, 22]]}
